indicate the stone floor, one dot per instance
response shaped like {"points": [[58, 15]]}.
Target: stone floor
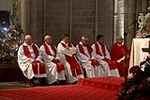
{"points": [[12, 85]]}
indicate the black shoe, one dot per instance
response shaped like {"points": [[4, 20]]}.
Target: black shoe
{"points": [[32, 84], [62, 82], [43, 82], [55, 83]]}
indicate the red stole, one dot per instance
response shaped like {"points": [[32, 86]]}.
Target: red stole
{"points": [[37, 66], [82, 50], [64, 45], [112, 64], [75, 67], [59, 65], [47, 49], [94, 62], [27, 52], [98, 50]]}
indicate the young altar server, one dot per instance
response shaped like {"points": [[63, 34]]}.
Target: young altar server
{"points": [[118, 52]]}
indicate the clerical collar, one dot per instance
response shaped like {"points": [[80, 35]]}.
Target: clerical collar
{"points": [[27, 44], [48, 43], [100, 43], [82, 44], [63, 42]]}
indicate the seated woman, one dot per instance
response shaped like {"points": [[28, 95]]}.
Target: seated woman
{"points": [[118, 55]]}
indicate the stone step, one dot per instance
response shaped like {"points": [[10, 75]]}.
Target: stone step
{"points": [[110, 83]]}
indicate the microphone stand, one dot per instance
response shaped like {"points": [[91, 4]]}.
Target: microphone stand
{"points": [[126, 66]]}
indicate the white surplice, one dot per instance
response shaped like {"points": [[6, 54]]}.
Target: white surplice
{"points": [[91, 71], [112, 72], [69, 51], [25, 62], [51, 67]]}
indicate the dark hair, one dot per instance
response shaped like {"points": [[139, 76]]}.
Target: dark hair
{"points": [[99, 37], [65, 35]]}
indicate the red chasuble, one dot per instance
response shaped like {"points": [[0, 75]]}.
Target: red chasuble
{"points": [[112, 64], [75, 67], [117, 52], [37, 66], [59, 65], [94, 62]]}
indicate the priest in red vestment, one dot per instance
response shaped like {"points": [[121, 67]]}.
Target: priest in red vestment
{"points": [[29, 60], [55, 69], [118, 55], [66, 52], [102, 54]]}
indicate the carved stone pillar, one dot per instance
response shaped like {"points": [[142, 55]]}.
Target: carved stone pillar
{"points": [[118, 18]]}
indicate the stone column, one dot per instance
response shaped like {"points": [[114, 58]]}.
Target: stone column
{"points": [[118, 18], [115, 18], [130, 20], [23, 11]]}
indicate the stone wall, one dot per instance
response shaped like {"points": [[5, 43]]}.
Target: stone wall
{"points": [[132, 9], [5, 5], [83, 19], [105, 20], [56, 18], [77, 17]]}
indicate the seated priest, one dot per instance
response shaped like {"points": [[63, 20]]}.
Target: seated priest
{"points": [[29, 60], [85, 56], [66, 52], [118, 51], [102, 55], [55, 69]]}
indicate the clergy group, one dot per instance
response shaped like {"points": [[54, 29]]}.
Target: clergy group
{"points": [[66, 63]]}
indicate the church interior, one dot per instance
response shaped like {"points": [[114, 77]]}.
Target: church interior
{"points": [[77, 28]]}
